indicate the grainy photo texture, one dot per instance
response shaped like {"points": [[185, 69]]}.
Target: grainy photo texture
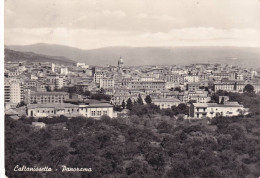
{"points": [[132, 88]]}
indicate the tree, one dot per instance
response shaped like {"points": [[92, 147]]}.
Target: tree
{"points": [[180, 109], [177, 89], [48, 88], [102, 91], [87, 93], [148, 99], [248, 89], [22, 103], [57, 155], [129, 104], [222, 100], [140, 100], [123, 104]]}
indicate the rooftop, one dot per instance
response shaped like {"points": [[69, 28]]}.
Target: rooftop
{"points": [[57, 106], [166, 100], [49, 93], [204, 105]]}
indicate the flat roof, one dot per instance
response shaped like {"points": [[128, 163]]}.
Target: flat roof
{"points": [[57, 106], [49, 93], [166, 100], [99, 105], [216, 105]]}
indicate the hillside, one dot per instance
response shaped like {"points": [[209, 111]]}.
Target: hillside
{"points": [[11, 55], [243, 56]]}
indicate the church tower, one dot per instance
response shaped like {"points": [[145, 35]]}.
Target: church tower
{"points": [[120, 64]]}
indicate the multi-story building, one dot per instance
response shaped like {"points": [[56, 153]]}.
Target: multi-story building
{"points": [[98, 75], [191, 78], [166, 103], [30, 84], [94, 110], [14, 92], [48, 97], [227, 75], [126, 81], [107, 83], [12, 73], [58, 80], [198, 96], [172, 78], [231, 86], [193, 86], [147, 85], [210, 110], [45, 110], [64, 71], [256, 87]]}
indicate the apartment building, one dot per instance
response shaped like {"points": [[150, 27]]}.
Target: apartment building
{"points": [[166, 103], [98, 75], [107, 83], [48, 97], [210, 110], [147, 85], [94, 110], [13, 91]]}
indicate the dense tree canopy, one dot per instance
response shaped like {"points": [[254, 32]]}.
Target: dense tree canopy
{"points": [[148, 99], [136, 146], [249, 89]]}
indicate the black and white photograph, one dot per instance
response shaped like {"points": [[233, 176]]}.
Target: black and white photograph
{"points": [[131, 89]]}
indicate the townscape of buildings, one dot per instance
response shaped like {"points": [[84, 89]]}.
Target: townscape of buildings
{"points": [[40, 89]]}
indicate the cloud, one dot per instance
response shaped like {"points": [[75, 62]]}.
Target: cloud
{"points": [[134, 23], [90, 38]]}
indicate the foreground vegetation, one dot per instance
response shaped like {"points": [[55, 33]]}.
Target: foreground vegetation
{"points": [[137, 146]]}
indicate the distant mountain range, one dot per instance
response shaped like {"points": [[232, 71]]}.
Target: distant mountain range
{"points": [[242, 56], [11, 55]]}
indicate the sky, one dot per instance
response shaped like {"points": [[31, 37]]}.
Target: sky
{"points": [[89, 24]]}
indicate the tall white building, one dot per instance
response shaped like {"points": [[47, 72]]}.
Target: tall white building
{"points": [[64, 71], [59, 82], [13, 91], [53, 67], [98, 75]]}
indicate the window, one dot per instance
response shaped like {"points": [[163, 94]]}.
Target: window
{"points": [[105, 112], [93, 113]]}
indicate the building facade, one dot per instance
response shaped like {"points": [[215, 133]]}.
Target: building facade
{"points": [[210, 110], [48, 97]]}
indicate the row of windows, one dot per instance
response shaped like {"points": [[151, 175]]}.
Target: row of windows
{"points": [[49, 97], [48, 111], [98, 113]]}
